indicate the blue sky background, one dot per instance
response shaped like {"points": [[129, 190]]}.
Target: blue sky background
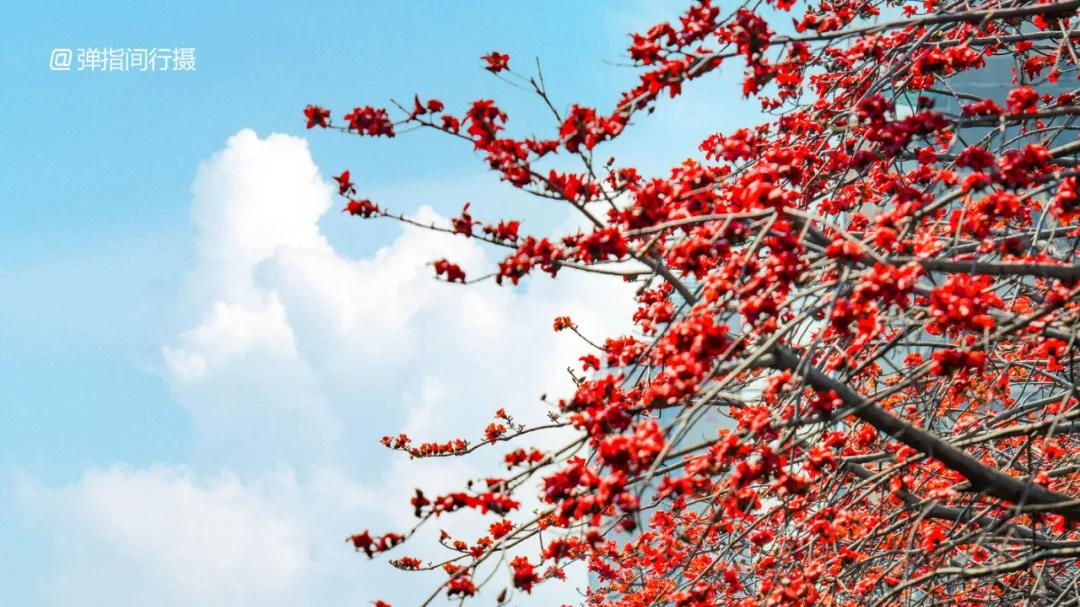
{"points": [[96, 242]]}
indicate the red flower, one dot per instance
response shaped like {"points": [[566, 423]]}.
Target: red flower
{"points": [[462, 585], [485, 121], [985, 107], [1067, 201], [464, 223], [370, 121], [601, 244], [506, 230], [364, 208], [963, 303], [317, 116], [362, 541], [452, 271], [500, 529], [493, 432], [1022, 100], [370, 546], [344, 185], [496, 62], [521, 456], [451, 124], [529, 253], [947, 362], [585, 127], [975, 158], [524, 574], [589, 361]]}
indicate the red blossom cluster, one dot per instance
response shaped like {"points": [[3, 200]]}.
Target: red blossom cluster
{"points": [[522, 456], [949, 361], [963, 303], [430, 449], [850, 376], [524, 573], [370, 121], [371, 546], [452, 271], [363, 208], [489, 501], [505, 230], [531, 252]]}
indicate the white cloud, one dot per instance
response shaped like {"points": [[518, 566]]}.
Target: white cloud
{"points": [[251, 199], [303, 357], [161, 533]]}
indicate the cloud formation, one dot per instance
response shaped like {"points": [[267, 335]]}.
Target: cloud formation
{"points": [[301, 359]]}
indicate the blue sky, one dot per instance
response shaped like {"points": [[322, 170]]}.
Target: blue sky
{"points": [[111, 279]]}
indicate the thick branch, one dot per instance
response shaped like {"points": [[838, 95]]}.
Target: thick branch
{"points": [[982, 478]]}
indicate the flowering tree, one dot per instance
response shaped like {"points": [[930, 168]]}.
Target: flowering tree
{"points": [[876, 288]]}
